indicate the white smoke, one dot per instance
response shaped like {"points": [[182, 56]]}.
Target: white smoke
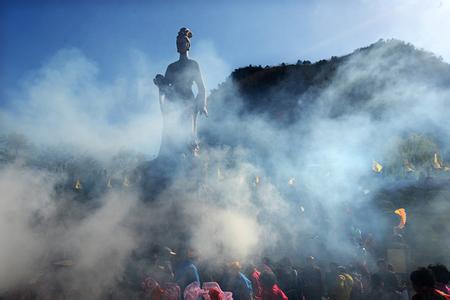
{"points": [[236, 203]]}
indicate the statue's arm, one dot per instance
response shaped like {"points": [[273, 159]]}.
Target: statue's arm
{"points": [[159, 82], [162, 97], [162, 82], [201, 95]]}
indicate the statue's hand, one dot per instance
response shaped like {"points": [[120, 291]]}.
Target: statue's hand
{"points": [[159, 80]]}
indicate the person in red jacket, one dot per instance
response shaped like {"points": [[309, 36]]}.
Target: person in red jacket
{"points": [[270, 289], [254, 275]]}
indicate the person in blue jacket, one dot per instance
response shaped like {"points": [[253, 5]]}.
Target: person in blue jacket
{"points": [[236, 282], [185, 270]]}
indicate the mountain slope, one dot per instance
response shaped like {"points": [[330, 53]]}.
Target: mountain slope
{"points": [[286, 91]]}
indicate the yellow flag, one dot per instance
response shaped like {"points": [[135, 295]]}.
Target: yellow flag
{"points": [[376, 167], [409, 167], [77, 185], [437, 163]]}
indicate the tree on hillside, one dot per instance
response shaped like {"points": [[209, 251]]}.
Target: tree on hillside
{"points": [[412, 155]]}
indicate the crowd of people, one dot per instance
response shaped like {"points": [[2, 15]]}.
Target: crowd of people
{"points": [[281, 280]]}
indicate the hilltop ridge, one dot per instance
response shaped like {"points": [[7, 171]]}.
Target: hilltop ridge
{"points": [[275, 90]]}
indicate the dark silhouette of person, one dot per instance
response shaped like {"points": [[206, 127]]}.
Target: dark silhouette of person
{"points": [[289, 279], [270, 288], [312, 279], [441, 276], [423, 283], [388, 277]]}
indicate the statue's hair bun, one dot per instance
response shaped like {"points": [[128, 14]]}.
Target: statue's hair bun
{"points": [[185, 32]]}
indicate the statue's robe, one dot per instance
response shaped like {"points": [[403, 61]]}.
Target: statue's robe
{"points": [[180, 108]]}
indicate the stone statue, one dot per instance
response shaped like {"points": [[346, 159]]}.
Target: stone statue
{"points": [[179, 106]]}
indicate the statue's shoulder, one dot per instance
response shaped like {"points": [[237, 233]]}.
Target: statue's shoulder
{"points": [[192, 62], [173, 65], [178, 65]]}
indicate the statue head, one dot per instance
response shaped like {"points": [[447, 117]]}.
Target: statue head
{"points": [[183, 40]]}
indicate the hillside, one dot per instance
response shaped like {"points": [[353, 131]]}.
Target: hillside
{"points": [[329, 120], [276, 90]]}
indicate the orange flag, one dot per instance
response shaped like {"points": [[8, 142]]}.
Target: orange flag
{"points": [[402, 213]]}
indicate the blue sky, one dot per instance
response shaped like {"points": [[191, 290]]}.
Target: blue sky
{"points": [[80, 73], [240, 32]]}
